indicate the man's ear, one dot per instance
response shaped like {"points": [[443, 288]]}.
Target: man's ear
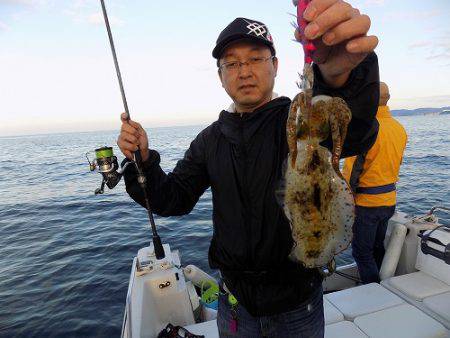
{"points": [[220, 76], [275, 64]]}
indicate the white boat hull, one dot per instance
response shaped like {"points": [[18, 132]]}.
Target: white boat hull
{"points": [[159, 294]]}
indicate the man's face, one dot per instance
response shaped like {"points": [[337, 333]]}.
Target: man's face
{"points": [[249, 86]]}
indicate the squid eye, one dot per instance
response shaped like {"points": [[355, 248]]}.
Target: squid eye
{"points": [[302, 128], [325, 128]]}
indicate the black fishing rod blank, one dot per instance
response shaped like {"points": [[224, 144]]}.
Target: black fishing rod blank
{"points": [[159, 250]]}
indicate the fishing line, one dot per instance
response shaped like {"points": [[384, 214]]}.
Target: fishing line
{"points": [[354, 279]]}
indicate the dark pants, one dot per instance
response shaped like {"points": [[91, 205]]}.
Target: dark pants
{"points": [[307, 321], [369, 231]]}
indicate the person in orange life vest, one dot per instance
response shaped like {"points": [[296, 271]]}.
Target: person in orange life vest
{"points": [[372, 177]]}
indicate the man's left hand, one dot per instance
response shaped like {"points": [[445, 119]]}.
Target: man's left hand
{"points": [[339, 33]]}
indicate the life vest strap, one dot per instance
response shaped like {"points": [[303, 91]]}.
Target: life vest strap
{"points": [[382, 189], [357, 170]]}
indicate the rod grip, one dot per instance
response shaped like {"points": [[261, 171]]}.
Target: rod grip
{"points": [[157, 245]]}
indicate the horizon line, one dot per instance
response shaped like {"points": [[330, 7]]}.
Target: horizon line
{"points": [[44, 133], [157, 127]]}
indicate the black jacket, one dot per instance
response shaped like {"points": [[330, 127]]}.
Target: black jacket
{"points": [[241, 159]]}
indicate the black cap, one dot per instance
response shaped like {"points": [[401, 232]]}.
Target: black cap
{"points": [[240, 29]]}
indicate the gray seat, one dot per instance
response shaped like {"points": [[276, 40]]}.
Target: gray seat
{"points": [[429, 288], [344, 329], [403, 321], [362, 300], [440, 305], [332, 315], [417, 285]]}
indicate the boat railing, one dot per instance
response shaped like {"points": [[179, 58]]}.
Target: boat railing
{"points": [[430, 216], [441, 208]]}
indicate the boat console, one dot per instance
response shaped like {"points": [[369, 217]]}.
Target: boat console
{"points": [[158, 294]]}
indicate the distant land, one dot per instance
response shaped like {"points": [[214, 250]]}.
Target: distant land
{"points": [[421, 111]]}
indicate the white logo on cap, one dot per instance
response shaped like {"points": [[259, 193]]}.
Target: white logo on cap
{"points": [[256, 29]]}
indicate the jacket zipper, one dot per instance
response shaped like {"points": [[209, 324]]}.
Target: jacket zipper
{"points": [[245, 193]]}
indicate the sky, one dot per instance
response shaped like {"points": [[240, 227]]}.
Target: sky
{"points": [[57, 73]]}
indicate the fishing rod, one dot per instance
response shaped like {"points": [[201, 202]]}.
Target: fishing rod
{"points": [[107, 163]]}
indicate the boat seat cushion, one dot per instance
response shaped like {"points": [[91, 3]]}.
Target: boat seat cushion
{"points": [[362, 300], [332, 315], [344, 329], [439, 304], [417, 285], [403, 321], [207, 329]]}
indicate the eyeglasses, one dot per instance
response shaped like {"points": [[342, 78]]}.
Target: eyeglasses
{"points": [[234, 66]]}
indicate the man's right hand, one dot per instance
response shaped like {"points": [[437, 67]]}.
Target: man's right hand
{"points": [[132, 137]]}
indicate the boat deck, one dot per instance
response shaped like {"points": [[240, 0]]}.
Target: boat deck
{"points": [[374, 311], [412, 301]]}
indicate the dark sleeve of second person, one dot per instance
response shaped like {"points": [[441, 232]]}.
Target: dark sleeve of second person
{"points": [[361, 92], [175, 193]]}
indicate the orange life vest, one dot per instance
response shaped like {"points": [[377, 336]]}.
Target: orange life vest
{"points": [[376, 185]]}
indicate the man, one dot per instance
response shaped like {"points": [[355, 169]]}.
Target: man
{"points": [[240, 157], [373, 176]]}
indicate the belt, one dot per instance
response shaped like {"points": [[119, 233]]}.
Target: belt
{"points": [[382, 189]]}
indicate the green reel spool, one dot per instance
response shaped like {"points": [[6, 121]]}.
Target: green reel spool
{"points": [[106, 163], [104, 152]]}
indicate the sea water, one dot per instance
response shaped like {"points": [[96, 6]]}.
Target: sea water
{"points": [[65, 254]]}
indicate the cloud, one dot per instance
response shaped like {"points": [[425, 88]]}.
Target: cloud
{"points": [[440, 51], [420, 101], [444, 44], [420, 44], [3, 26], [437, 48], [367, 3], [442, 56], [15, 10], [374, 2], [87, 11], [15, 2], [27, 3], [397, 16], [97, 19], [85, 5]]}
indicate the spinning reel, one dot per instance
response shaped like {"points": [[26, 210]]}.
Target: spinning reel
{"points": [[106, 164]]}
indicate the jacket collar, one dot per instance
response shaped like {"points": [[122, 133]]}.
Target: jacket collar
{"points": [[383, 111], [238, 129], [232, 108]]}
